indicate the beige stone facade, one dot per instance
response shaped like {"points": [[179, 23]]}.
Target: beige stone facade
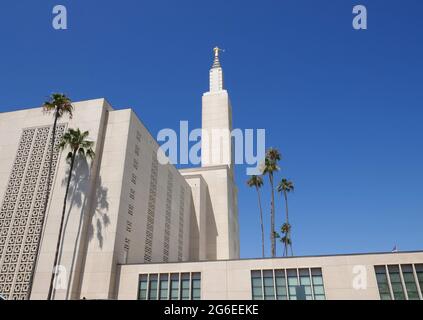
{"points": [[123, 207], [350, 277]]}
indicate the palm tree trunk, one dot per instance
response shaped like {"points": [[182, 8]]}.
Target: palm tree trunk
{"points": [[56, 257], [46, 199], [272, 218], [287, 223], [261, 222], [289, 227]]}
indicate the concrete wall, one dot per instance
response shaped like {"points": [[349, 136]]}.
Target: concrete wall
{"points": [[216, 124], [100, 258], [143, 217], [232, 279], [198, 233], [100, 228], [88, 115], [222, 230]]}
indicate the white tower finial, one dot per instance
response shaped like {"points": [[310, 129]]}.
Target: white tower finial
{"points": [[216, 73], [216, 62]]}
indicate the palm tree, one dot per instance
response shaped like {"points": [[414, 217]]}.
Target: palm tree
{"points": [[271, 166], [285, 187], [60, 105], [286, 240], [79, 145], [257, 182]]}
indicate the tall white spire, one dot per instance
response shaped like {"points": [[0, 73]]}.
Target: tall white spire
{"points": [[216, 73], [216, 145], [218, 167]]}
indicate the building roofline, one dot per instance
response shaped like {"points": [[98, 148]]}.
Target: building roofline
{"points": [[278, 258], [19, 109], [193, 176]]}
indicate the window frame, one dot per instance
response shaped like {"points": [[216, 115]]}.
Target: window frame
{"points": [[282, 290]]}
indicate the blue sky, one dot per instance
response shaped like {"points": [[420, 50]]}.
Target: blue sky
{"points": [[343, 106]]}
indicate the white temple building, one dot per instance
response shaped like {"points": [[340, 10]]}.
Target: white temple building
{"points": [[138, 229]]}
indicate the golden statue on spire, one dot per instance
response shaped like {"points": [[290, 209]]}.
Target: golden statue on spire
{"points": [[216, 51]]}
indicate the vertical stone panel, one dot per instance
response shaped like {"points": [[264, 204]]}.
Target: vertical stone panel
{"points": [[151, 210], [181, 223], [21, 213], [168, 217]]}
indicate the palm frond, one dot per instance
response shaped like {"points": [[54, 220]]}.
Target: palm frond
{"points": [[285, 186], [286, 227], [60, 104], [273, 155], [76, 140], [286, 240], [270, 166], [255, 181]]}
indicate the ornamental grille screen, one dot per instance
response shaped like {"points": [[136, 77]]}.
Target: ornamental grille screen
{"points": [[168, 218], [181, 223], [148, 250], [21, 213]]}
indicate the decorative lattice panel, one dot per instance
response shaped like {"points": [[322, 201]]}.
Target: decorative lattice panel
{"points": [[169, 189], [151, 210], [21, 213], [181, 223]]}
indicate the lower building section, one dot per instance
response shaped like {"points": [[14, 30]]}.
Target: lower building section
{"points": [[373, 276], [123, 207]]}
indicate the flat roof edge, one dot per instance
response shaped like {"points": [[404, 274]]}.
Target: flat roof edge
{"points": [[269, 258]]}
